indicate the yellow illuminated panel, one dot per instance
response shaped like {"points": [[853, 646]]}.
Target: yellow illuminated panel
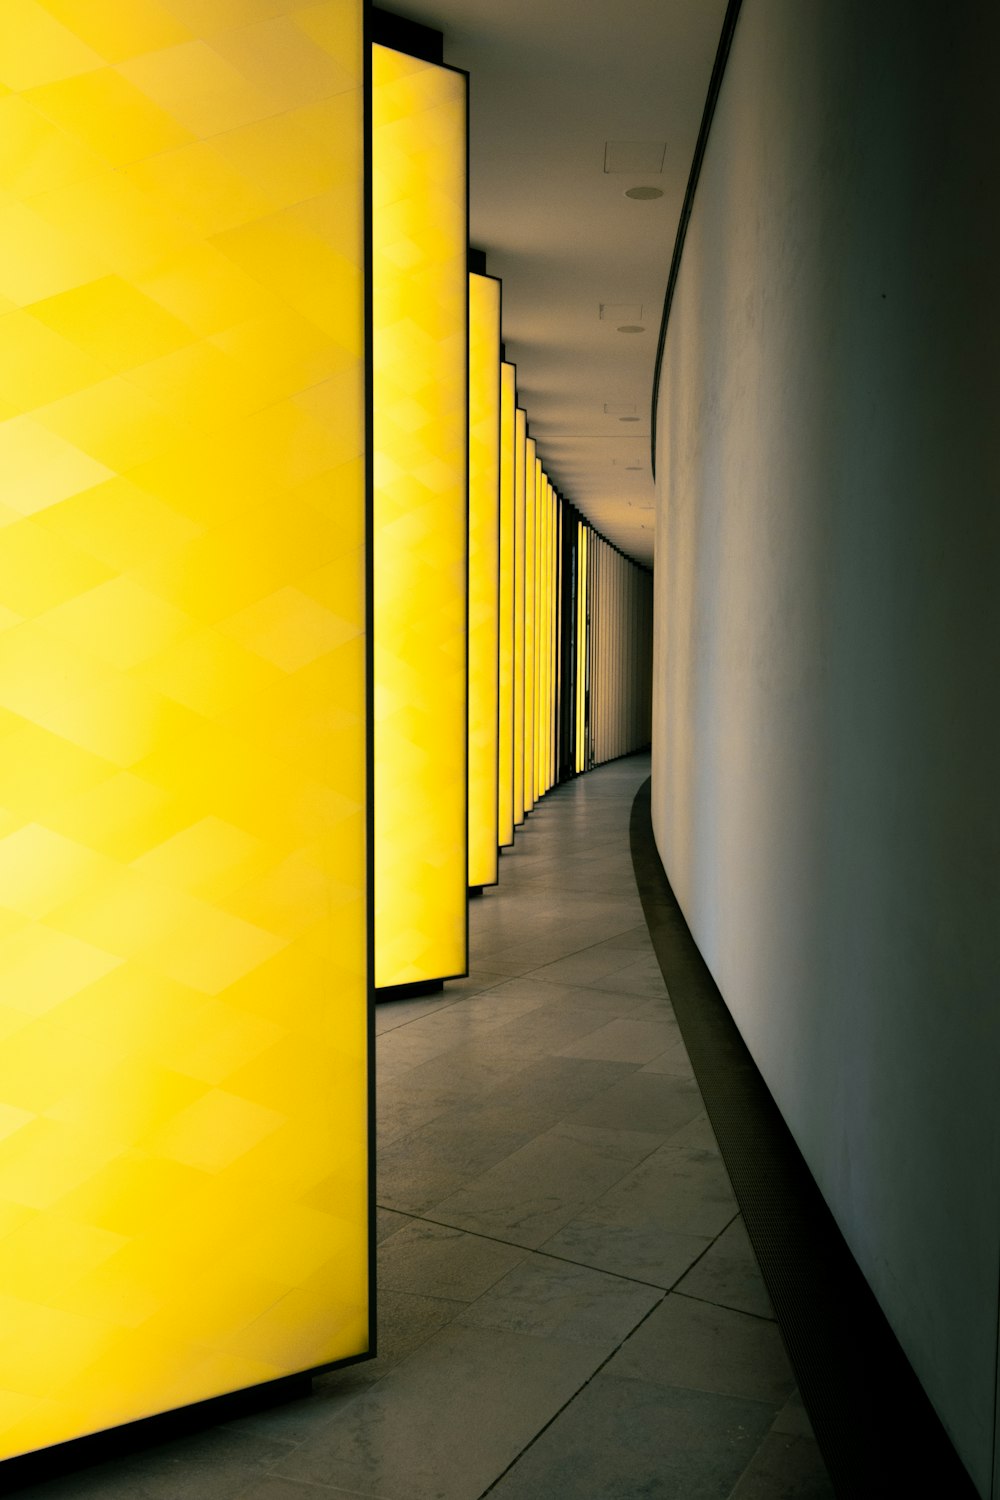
{"points": [[543, 729], [484, 577], [183, 989], [520, 600], [553, 524], [530, 597], [560, 585], [505, 788], [544, 725], [581, 647], [419, 294], [540, 486], [596, 593], [547, 727], [553, 585], [539, 631]]}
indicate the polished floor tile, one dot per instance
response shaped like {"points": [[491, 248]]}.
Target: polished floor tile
{"points": [[623, 1439], [447, 1421]]}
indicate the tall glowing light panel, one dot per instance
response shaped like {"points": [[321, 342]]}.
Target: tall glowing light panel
{"points": [[581, 647], [530, 599], [183, 868], [484, 578], [539, 624], [551, 664], [541, 695], [550, 618], [505, 648], [558, 636], [420, 331], [520, 598]]}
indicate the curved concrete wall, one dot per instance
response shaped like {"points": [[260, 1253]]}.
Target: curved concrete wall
{"points": [[827, 685]]}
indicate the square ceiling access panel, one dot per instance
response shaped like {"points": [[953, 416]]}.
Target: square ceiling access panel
{"points": [[642, 158]]}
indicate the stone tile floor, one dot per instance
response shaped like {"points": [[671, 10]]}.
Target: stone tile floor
{"points": [[569, 1308]]}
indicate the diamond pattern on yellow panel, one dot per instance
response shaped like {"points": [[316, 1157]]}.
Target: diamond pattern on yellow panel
{"points": [[118, 31], [109, 115], [119, 524], [198, 87], [36, 259], [35, 154], [182, 700], [43, 968], [37, 364], [421, 531], [113, 322], [41, 468], [36, 48]]}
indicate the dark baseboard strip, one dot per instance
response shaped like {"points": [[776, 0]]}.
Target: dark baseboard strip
{"points": [[875, 1427]]}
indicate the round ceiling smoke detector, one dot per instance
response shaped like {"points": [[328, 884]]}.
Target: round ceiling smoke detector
{"points": [[644, 192], [631, 328]]}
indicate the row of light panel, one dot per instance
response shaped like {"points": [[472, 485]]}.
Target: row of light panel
{"points": [[258, 736], [559, 620]]}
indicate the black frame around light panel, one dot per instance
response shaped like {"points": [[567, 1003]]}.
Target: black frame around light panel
{"points": [[530, 528], [401, 34], [520, 526], [477, 267], [507, 542], [567, 609]]}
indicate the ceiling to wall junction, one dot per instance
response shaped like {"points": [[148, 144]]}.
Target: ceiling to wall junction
{"points": [[560, 92]]}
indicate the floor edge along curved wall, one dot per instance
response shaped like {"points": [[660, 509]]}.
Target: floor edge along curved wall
{"points": [[184, 1205], [824, 766]]}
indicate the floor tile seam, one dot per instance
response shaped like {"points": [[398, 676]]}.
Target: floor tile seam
{"points": [[400, 1074], [628, 1168], [537, 977], [725, 1306], [321, 1488], [569, 1401], [402, 1025], [446, 1005], [492, 1239], [599, 943], [755, 1454], [596, 1099], [488, 1027], [712, 1241]]}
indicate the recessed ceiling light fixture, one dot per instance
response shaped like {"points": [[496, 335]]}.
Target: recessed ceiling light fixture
{"points": [[644, 192], [631, 328]]}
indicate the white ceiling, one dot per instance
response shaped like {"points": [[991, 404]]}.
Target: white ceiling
{"points": [[551, 81]]}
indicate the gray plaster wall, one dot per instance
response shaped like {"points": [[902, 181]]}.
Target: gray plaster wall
{"points": [[826, 738]]}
